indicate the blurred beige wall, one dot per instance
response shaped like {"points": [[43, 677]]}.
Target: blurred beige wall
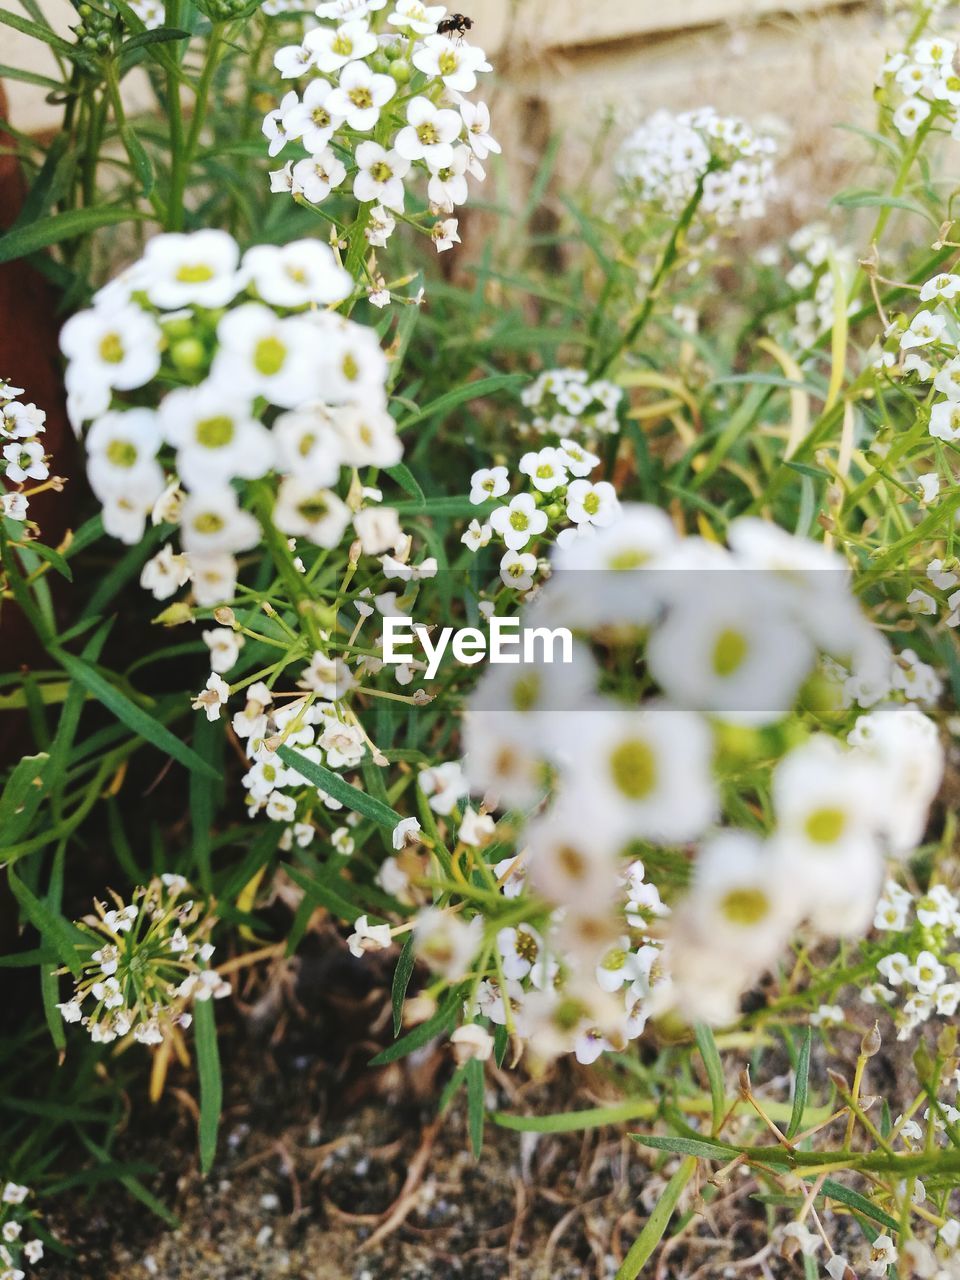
{"points": [[562, 65]]}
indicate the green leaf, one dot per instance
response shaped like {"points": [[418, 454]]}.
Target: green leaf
{"points": [[160, 35], [574, 1121], [318, 891], [57, 932], [702, 1148], [408, 482], [401, 980], [41, 33], [460, 395], [21, 798], [142, 164], [20, 241], [714, 1067], [445, 507], [53, 558], [860, 1204], [441, 1022], [332, 783], [880, 200], [114, 1171], [131, 715], [800, 1086], [475, 1107], [211, 1084], [656, 1225]]}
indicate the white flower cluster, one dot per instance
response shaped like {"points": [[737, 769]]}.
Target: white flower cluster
{"points": [[22, 455], [568, 402], [378, 104], [316, 726], [925, 84], [663, 161], [265, 381], [920, 975], [812, 251], [16, 1250], [731, 638], [559, 489], [144, 964]]}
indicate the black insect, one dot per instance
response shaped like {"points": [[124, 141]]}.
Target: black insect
{"points": [[457, 23]]}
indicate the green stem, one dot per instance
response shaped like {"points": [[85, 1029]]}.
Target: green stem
{"points": [[184, 151]]}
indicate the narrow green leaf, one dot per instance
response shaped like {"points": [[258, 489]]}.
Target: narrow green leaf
{"points": [[54, 558], [131, 715], [401, 980], [574, 1121], [801, 1085], [318, 891], [332, 783], [21, 798], [714, 1067], [475, 1105], [460, 395], [43, 34], [115, 1171], [57, 933], [408, 482], [703, 1149], [211, 1084], [142, 165], [656, 1225], [860, 1204], [20, 241], [442, 1021]]}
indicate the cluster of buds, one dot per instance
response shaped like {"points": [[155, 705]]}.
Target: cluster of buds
{"points": [[143, 964]]}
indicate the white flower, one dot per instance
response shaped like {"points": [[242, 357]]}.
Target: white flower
{"points": [[545, 468], [293, 61], [121, 449], [70, 1011], [827, 1015], [646, 772], [929, 487], [429, 133], [926, 973], [517, 569], [406, 831], [261, 354], [476, 828], [447, 943], [316, 177], [215, 434], [119, 347], [33, 1251], [444, 234], [312, 119], [519, 521], [476, 118], [212, 524], [924, 328], [307, 445], [444, 785], [13, 506], [945, 420], [368, 437], [305, 510], [380, 175], [165, 573], [359, 96], [14, 1194], [577, 460], [380, 227], [594, 504], [296, 274], [274, 127], [214, 577], [414, 16], [378, 529], [448, 185], [455, 63], [333, 48], [488, 483], [909, 116], [213, 698], [224, 645], [471, 1042], [477, 535], [25, 461], [883, 1254], [198, 269]]}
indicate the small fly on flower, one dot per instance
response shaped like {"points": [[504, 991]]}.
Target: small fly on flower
{"points": [[457, 23]]}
